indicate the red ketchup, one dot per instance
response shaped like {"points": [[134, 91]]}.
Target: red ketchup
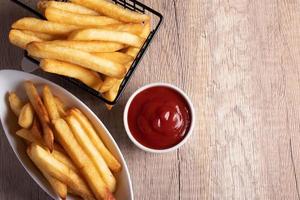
{"points": [[159, 117]]}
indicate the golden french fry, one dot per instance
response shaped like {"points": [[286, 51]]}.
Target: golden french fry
{"points": [[28, 136], [136, 29], [111, 161], [59, 188], [112, 93], [108, 83], [64, 17], [117, 57], [81, 160], [60, 107], [38, 25], [132, 51], [89, 46], [20, 39], [26, 116], [107, 35], [113, 10], [89, 148], [63, 158], [15, 103], [71, 70], [44, 160], [146, 30], [50, 104], [36, 130], [66, 6], [41, 112], [42, 36], [87, 60]]}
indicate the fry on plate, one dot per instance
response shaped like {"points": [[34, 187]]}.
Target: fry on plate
{"points": [[71, 70], [41, 112], [111, 161], [66, 6], [81, 160], [28, 136], [63, 158], [21, 39], [44, 160], [60, 107], [59, 188], [26, 116], [107, 35], [15, 103], [49, 102], [44, 26], [89, 46], [113, 10], [87, 60], [64, 17], [89, 148]]}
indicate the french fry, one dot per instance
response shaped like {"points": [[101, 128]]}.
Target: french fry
{"points": [[63, 158], [108, 83], [60, 107], [146, 30], [49, 102], [64, 17], [44, 160], [81, 160], [38, 25], [66, 6], [59, 188], [112, 93], [71, 70], [36, 130], [20, 39], [26, 116], [28, 136], [113, 10], [111, 161], [132, 51], [41, 112], [42, 36], [131, 28], [87, 60], [89, 46], [89, 148], [15, 103], [107, 35], [117, 57]]}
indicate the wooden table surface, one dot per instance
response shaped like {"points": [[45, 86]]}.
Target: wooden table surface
{"points": [[239, 61]]}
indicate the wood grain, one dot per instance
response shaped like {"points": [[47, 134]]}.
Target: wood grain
{"points": [[239, 62]]}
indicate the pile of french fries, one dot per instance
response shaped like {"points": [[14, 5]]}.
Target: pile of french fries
{"points": [[94, 41], [64, 145]]}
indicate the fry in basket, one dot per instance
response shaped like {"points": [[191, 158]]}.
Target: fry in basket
{"points": [[21, 39], [117, 57], [113, 10], [66, 6], [81, 160], [107, 35], [111, 161], [26, 116], [15, 103], [89, 46], [51, 51], [39, 25], [71, 70], [41, 112], [131, 28], [42, 36], [64, 17]]}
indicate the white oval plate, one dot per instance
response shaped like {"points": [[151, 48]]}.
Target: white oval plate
{"points": [[12, 80]]}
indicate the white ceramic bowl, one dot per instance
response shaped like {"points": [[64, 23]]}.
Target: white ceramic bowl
{"points": [[151, 150], [11, 80]]}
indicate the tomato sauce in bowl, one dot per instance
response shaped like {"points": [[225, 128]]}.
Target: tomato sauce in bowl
{"points": [[159, 117]]}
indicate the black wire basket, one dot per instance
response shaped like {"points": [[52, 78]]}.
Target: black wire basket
{"points": [[156, 20]]}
